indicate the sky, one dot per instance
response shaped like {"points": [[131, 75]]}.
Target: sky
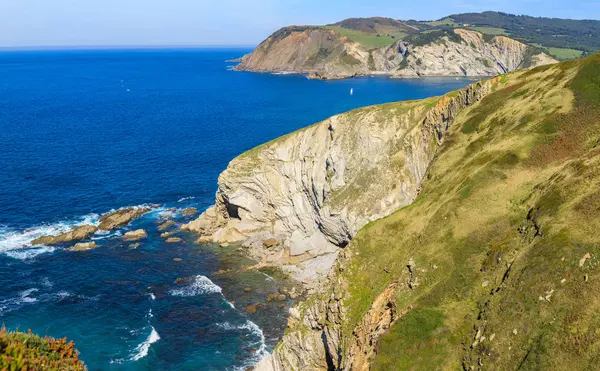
{"points": [[48, 23]]}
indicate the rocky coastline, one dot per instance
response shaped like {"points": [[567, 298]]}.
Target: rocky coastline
{"points": [[321, 53]]}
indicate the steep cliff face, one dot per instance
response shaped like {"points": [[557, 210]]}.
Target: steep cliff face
{"points": [[495, 265], [312, 190], [324, 53]]}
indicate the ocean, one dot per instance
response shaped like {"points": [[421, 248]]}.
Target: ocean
{"points": [[83, 132]]}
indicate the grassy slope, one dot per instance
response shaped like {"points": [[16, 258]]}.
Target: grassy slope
{"points": [[510, 206], [368, 40]]}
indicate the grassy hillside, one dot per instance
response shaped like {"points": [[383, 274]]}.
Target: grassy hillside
{"points": [[496, 262], [26, 351], [564, 39], [583, 35]]}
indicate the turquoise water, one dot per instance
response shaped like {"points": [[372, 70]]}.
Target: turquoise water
{"points": [[86, 132]]}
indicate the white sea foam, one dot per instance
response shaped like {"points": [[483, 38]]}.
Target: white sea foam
{"points": [[26, 254], [17, 244], [253, 329], [186, 199], [152, 296], [141, 350], [202, 285], [14, 303], [12, 240]]}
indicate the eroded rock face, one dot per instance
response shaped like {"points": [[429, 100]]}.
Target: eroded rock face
{"points": [[314, 189], [76, 234], [324, 54], [121, 217]]}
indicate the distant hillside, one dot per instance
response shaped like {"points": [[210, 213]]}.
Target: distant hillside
{"points": [[369, 46], [582, 35]]}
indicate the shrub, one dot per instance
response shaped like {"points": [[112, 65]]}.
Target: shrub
{"points": [[26, 351]]}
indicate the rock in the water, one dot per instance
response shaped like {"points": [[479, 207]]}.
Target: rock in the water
{"points": [[224, 244], [76, 234], [177, 260], [134, 245], [190, 211], [173, 240], [121, 217], [166, 225], [83, 246], [136, 235], [248, 289], [166, 234], [252, 308], [281, 297]]}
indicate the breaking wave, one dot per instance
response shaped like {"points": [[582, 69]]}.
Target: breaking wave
{"points": [[200, 286]]}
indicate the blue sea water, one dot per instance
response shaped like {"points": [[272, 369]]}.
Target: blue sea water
{"points": [[83, 132]]}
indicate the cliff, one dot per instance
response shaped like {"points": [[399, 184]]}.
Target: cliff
{"points": [[495, 263], [324, 52], [311, 191]]}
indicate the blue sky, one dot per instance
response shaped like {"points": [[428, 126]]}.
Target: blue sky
{"points": [[226, 22]]}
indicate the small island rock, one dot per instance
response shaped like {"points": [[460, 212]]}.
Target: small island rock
{"points": [[173, 240], [136, 235], [83, 246], [121, 217], [76, 234]]}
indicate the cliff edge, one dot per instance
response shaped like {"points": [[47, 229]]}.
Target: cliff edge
{"points": [[295, 201]]}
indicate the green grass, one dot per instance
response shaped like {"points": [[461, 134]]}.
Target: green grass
{"points": [[414, 340], [562, 54], [368, 40], [443, 22], [490, 30]]}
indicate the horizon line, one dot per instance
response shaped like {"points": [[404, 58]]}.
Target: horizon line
{"points": [[120, 47]]}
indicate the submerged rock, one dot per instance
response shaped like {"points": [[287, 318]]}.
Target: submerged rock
{"points": [[173, 240], [76, 234], [83, 246], [166, 225], [190, 211], [136, 235], [121, 217], [252, 308]]}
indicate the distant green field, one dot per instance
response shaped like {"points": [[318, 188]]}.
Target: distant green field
{"points": [[443, 22], [370, 41], [490, 30], [562, 54]]}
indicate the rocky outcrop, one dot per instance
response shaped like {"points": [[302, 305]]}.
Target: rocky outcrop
{"points": [[121, 217], [83, 246], [322, 53], [108, 222], [314, 189], [76, 234], [136, 235]]}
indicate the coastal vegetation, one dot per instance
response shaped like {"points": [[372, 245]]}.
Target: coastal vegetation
{"points": [[26, 351]]}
